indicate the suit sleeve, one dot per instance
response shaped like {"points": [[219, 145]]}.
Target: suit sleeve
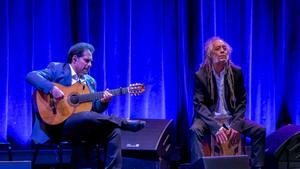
{"points": [[201, 109], [42, 79], [98, 106], [241, 99]]}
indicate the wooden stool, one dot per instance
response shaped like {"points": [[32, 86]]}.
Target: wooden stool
{"points": [[212, 148], [227, 148]]}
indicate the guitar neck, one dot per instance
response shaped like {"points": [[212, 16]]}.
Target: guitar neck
{"points": [[116, 92], [97, 95]]}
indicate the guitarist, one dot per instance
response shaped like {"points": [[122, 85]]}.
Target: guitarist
{"points": [[91, 126]]}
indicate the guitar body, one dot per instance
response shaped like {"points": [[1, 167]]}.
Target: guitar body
{"points": [[77, 98], [53, 112]]}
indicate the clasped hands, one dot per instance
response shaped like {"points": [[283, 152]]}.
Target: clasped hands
{"points": [[227, 134]]}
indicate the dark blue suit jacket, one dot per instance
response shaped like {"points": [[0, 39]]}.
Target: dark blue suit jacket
{"points": [[43, 80], [205, 106]]}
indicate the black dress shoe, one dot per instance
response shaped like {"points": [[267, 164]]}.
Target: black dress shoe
{"points": [[133, 125]]}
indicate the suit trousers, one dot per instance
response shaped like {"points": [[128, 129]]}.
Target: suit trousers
{"points": [[256, 132], [89, 128]]}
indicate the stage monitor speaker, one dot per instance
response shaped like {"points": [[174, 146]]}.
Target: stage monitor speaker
{"points": [[219, 162], [15, 164], [283, 146], [149, 146]]}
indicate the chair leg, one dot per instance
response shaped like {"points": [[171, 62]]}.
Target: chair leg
{"points": [[243, 144], [98, 156], [9, 151], [35, 154], [60, 155]]}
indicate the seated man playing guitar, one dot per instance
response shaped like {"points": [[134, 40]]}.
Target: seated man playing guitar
{"points": [[69, 108]]}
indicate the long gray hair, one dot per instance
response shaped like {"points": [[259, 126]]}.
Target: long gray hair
{"points": [[207, 65]]}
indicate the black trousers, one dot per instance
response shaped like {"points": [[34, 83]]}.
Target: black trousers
{"points": [[94, 128], [256, 132]]}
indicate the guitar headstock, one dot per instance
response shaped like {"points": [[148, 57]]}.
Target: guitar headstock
{"points": [[136, 89]]}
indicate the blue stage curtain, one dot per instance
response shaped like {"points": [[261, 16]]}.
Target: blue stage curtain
{"points": [[155, 42]]}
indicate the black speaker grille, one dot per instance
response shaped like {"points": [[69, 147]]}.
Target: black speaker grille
{"points": [[154, 140]]}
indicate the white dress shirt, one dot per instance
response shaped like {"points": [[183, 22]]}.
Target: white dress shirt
{"points": [[221, 104], [75, 77]]}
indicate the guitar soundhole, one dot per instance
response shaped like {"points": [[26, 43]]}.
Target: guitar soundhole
{"points": [[74, 99]]}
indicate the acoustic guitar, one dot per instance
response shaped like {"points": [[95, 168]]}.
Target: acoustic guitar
{"points": [[77, 98]]}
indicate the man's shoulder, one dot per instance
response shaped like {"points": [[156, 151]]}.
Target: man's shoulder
{"points": [[201, 72], [57, 65], [89, 77], [236, 69], [90, 80]]}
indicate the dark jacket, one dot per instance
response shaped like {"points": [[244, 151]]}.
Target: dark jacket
{"points": [[205, 105]]}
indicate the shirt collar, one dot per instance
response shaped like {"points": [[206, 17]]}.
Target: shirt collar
{"points": [[222, 73], [73, 73], [75, 76]]}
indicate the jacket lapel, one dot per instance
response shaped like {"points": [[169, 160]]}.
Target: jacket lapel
{"points": [[67, 80]]}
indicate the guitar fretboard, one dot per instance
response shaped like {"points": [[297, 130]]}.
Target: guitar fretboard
{"points": [[97, 95]]}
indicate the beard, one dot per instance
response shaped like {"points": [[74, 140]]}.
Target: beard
{"points": [[216, 59], [85, 70]]}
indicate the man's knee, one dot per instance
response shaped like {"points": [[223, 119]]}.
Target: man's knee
{"points": [[116, 132], [261, 131], [196, 131]]}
